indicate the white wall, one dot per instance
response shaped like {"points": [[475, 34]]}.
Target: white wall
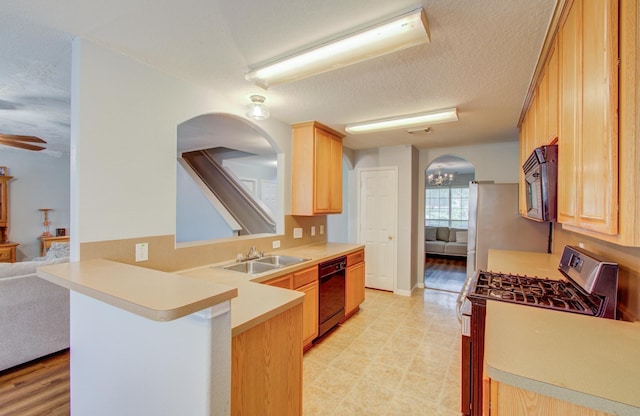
{"points": [[40, 180], [197, 219], [124, 121], [338, 224]]}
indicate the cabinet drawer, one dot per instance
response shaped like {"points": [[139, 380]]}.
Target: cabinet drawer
{"points": [[305, 276], [282, 281], [355, 258], [6, 254]]}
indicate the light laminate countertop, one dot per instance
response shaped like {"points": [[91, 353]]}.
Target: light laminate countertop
{"points": [[590, 361], [257, 302], [155, 295], [165, 296]]}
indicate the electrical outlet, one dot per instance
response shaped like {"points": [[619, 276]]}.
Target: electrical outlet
{"points": [[313, 230], [275, 244], [322, 230], [297, 233], [142, 252], [581, 245]]}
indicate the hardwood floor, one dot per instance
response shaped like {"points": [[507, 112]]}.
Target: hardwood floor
{"points": [[445, 273], [38, 388]]}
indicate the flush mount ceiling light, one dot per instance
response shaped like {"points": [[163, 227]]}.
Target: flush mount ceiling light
{"points": [[402, 32], [257, 110], [413, 120]]}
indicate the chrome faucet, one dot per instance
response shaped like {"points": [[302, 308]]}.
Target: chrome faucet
{"points": [[252, 253]]}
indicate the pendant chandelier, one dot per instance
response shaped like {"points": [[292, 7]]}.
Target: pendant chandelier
{"points": [[439, 179]]}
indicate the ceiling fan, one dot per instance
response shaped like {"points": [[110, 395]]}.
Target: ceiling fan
{"points": [[22, 142]]}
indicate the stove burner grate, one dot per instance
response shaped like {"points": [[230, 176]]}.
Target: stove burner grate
{"points": [[545, 293]]}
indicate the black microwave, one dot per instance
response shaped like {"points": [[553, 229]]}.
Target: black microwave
{"points": [[541, 181]]}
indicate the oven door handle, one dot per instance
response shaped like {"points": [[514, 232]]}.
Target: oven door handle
{"points": [[462, 296]]}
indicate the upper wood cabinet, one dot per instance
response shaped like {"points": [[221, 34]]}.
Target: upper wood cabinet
{"points": [[316, 170], [588, 124], [594, 45]]}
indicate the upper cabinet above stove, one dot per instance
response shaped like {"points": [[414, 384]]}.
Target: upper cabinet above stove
{"points": [[317, 170], [586, 82]]}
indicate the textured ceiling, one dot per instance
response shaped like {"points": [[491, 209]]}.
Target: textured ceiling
{"points": [[480, 59]]}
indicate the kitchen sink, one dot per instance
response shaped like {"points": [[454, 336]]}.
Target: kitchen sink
{"points": [[251, 267], [281, 261], [263, 264]]}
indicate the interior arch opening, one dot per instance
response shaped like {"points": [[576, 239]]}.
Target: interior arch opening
{"points": [[446, 220]]}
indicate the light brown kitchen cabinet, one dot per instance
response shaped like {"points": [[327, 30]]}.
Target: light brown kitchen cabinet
{"points": [[285, 282], [303, 281], [309, 314], [588, 124], [266, 367], [7, 248], [316, 170], [595, 47], [354, 283], [307, 281], [507, 400]]}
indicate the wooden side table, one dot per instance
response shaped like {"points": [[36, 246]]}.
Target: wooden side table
{"points": [[45, 243], [8, 252]]}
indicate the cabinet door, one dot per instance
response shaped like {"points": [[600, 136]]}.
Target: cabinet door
{"points": [[598, 175], [552, 70], [588, 139], [335, 196], [322, 172], [570, 118], [354, 288], [309, 313]]}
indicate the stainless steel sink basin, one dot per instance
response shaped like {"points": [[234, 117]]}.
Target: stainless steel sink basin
{"points": [[251, 267], [281, 261]]}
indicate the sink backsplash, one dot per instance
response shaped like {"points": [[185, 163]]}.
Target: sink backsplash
{"points": [[165, 255]]}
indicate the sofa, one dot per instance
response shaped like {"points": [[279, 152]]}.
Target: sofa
{"points": [[445, 241], [34, 314]]}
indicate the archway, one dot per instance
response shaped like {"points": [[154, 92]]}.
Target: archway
{"points": [[446, 217]]}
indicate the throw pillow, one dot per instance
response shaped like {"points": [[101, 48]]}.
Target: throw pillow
{"points": [[442, 233], [461, 236], [430, 233]]}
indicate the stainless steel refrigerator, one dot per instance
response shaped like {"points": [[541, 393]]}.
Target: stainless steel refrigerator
{"points": [[494, 222]]}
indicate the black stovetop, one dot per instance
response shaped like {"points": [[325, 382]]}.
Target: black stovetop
{"points": [[560, 295]]}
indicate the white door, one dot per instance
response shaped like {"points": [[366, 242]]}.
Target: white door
{"points": [[377, 221]]}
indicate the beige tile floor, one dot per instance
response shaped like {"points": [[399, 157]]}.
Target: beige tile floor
{"points": [[398, 356]]}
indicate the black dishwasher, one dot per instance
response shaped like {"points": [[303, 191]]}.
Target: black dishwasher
{"points": [[331, 302]]}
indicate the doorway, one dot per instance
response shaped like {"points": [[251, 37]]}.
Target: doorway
{"points": [[446, 219]]}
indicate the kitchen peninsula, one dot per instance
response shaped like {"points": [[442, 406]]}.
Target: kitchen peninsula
{"points": [[131, 327]]}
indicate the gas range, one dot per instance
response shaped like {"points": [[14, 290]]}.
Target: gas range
{"points": [[587, 286]]}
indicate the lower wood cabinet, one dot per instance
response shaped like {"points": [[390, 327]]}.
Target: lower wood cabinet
{"points": [[309, 313], [307, 281], [8, 252], [354, 284], [304, 281], [266, 367], [507, 400]]}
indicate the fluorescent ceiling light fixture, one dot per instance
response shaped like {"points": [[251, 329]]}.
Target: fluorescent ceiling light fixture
{"points": [[405, 31], [422, 119]]}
